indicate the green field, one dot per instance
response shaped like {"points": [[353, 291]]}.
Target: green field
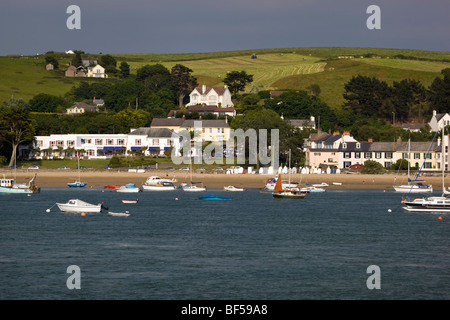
{"points": [[274, 69]]}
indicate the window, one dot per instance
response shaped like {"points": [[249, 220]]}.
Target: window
{"points": [[210, 130], [388, 164], [109, 142], [70, 143], [388, 155], [367, 155], [358, 145], [347, 155], [317, 154], [137, 142], [195, 97], [120, 142], [347, 164], [357, 155], [98, 142], [378, 155], [344, 145], [416, 155]]}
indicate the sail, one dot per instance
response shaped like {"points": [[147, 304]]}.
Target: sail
{"points": [[278, 184]]}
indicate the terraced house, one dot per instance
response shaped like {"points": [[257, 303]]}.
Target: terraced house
{"points": [[342, 151]]}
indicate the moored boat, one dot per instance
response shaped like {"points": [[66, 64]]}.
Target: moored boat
{"points": [[233, 188], [155, 183], [214, 197], [9, 186], [130, 201], [119, 214], [129, 188], [77, 184], [77, 206]]}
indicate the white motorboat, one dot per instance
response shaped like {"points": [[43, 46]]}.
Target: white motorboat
{"points": [[313, 189], [128, 188], [193, 188], [233, 188], [119, 214], [130, 201], [77, 206], [428, 204], [155, 183]]}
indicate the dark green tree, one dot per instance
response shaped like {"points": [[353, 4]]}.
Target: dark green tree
{"points": [[183, 82], [44, 102], [124, 70], [368, 97], [16, 126], [439, 92], [236, 81]]}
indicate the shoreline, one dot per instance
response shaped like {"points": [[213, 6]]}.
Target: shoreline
{"points": [[101, 178]]}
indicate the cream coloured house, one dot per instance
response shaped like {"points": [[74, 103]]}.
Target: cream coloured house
{"points": [[96, 72], [211, 96]]}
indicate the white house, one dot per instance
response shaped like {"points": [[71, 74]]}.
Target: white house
{"points": [[438, 120], [81, 107], [96, 72], [212, 96], [92, 146]]}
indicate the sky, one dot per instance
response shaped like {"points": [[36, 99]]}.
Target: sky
{"points": [[183, 26]]}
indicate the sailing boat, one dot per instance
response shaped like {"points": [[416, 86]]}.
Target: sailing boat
{"points": [[287, 193], [418, 187], [192, 187], [77, 183], [431, 204]]}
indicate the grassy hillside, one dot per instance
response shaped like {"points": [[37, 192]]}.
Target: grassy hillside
{"points": [[284, 68]]}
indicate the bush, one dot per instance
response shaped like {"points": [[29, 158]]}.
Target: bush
{"points": [[371, 167], [115, 162]]}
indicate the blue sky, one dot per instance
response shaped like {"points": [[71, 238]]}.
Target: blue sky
{"points": [[177, 26]]}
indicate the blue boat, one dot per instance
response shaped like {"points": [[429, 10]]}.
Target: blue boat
{"points": [[214, 197], [77, 184]]}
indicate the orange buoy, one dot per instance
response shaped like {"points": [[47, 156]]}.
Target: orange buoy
{"points": [[83, 214], [439, 218]]}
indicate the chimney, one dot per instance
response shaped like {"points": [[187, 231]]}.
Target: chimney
{"points": [[336, 133], [370, 140], [203, 89]]}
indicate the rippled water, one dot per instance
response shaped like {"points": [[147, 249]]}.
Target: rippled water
{"points": [[252, 247]]}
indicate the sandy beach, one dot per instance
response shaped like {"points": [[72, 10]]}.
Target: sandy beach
{"points": [[101, 178]]}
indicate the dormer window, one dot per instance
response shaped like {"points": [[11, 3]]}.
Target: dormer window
{"points": [[358, 145], [344, 145]]}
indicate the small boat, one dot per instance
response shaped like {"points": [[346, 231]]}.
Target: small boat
{"points": [[313, 189], [414, 188], [337, 183], [287, 192], [192, 187], [129, 188], [270, 184], [112, 187], [214, 197], [233, 188], [77, 184], [320, 185], [9, 186], [130, 201], [77, 205], [119, 214], [155, 183], [417, 186], [429, 204]]}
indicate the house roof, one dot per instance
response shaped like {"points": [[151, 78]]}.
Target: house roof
{"points": [[167, 122], [353, 147], [85, 106], [219, 90], [153, 132]]}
